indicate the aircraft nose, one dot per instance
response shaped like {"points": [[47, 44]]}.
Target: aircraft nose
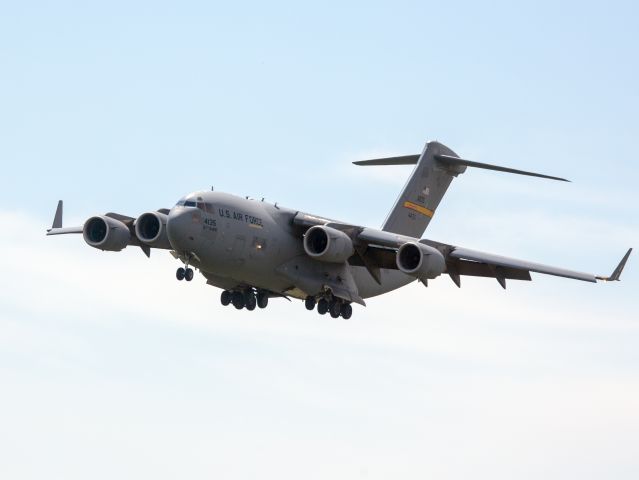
{"points": [[178, 228]]}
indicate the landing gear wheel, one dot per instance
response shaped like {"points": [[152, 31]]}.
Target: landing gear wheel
{"points": [[251, 302], [322, 306], [225, 298], [180, 273], [188, 274], [346, 311], [309, 303], [335, 309], [238, 300], [262, 300]]}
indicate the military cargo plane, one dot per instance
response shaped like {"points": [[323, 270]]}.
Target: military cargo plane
{"points": [[255, 251]]}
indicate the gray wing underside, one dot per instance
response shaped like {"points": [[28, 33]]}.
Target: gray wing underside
{"points": [[376, 249]]}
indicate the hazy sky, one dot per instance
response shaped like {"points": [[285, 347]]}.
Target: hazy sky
{"points": [[110, 368]]}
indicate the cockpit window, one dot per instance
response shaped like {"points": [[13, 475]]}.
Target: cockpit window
{"points": [[205, 207]]}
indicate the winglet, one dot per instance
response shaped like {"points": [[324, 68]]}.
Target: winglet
{"points": [[614, 277], [56, 228], [57, 219]]}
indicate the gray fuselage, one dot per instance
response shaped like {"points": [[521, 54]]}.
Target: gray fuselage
{"points": [[238, 242]]}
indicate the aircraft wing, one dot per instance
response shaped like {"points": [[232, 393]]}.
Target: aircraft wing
{"points": [[498, 261], [464, 261], [58, 229], [376, 249]]}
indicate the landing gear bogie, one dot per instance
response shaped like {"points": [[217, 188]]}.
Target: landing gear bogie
{"points": [[330, 304], [247, 298]]}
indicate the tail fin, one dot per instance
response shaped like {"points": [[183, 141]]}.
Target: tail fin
{"points": [[435, 169]]}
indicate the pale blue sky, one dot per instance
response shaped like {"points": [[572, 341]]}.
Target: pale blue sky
{"points": [[111, 369]]}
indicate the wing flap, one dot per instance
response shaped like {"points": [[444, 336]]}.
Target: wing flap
{"points": [[476, 269]]}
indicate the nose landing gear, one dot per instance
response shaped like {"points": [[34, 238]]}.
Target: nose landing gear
{"points": [[184, 274]]}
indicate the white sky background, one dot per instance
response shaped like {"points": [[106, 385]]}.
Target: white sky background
{"points": [[109, 368]]}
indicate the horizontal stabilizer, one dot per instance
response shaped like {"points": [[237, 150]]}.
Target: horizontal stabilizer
{"points": [[448, 160], [403, 160]]}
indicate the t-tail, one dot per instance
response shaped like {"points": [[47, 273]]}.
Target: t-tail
{"points": [[434, 170]]}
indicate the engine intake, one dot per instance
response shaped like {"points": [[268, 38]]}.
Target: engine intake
{"points": [[106, 233], [328, 244], [150, 228], [420, 260]]}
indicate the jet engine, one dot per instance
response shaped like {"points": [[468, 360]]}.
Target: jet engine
{"points": [[106, 233], [420, 260], [150, 228], [328, 244]]}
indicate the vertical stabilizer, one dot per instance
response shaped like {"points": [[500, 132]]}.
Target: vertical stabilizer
{"points": [[421, 195], [434, 169]]}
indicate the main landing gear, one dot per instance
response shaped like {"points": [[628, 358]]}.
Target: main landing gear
{"points": [[248, 298], [184, 274], [336, 307]]}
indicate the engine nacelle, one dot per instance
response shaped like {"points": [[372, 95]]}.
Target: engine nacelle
{"points": [[328, 244], [420, 260], [106, 233], [150, 228]]}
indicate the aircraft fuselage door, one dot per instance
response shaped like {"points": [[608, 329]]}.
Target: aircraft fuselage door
{"points": [[237, 253]]}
